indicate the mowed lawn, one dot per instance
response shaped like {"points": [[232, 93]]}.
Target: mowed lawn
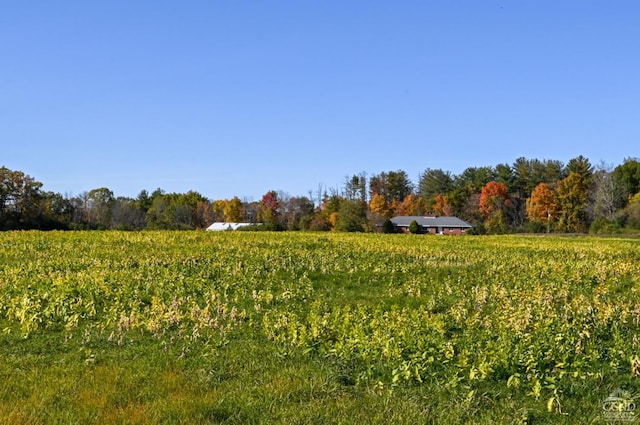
{"points": [[298, 328]]}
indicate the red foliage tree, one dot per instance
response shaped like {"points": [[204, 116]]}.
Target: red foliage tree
{"points": [[269, 208], [493, 197]]}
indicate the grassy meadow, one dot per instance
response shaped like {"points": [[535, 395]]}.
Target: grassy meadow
{"points": [[316, 328]]}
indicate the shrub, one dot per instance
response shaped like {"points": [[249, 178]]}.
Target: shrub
{"points": [[414, 227], [388, 227], [603, 226]]}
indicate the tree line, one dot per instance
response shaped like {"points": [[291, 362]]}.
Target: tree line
{"points": [[529, 195]]}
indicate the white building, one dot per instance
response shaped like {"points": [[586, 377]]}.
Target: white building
{"points": [[220, 225]]}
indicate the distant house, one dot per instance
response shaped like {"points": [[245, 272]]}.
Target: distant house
{"points": [[432, 224], [227, 226]]}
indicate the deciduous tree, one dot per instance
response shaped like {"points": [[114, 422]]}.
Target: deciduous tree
{"points": [[572, 201], [356, 187], [298, 213], [232, 210], [627, 175], [441, 206], [493, 197], [20, 199], [126, 214], [204, 215], [412, 205], [541, 206], [607, 195], [176, 211], [631, 213], [100, 202], [269, 206], [378, 205]]}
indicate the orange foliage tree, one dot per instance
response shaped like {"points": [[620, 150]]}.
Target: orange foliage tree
{"points": [[412, 205], [378, 205], [441, 205], [542, 206], [393, 208], [493, 197]]}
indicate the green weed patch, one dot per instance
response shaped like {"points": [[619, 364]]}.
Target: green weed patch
{"points": [[195, 327]]}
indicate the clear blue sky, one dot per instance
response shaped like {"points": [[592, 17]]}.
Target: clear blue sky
{"points": [[242, 97]]}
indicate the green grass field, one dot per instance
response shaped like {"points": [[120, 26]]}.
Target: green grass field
{"points": [[298, 328]]}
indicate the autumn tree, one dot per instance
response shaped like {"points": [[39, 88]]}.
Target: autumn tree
{"points": [[326, 217], [493, 196], [232, 210], [527, 175], [268, 214], [378, 205], [441, 206], [463, 200], [494, 199], [204, 214], [217, 209], [418, 206], [393, 207], [411, 205], [572, 197], [541, 206]]}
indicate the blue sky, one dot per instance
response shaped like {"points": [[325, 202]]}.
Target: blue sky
{"points": [[241, 97]]}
